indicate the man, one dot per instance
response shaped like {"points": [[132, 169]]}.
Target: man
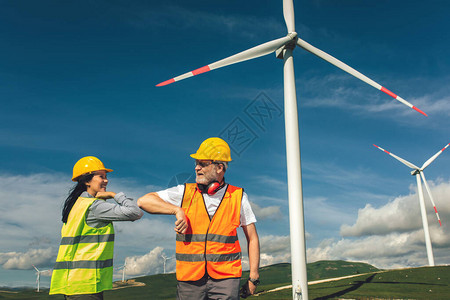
{"points": [[208, 212]]}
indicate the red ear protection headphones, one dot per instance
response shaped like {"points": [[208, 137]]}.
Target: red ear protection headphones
{"points": [[211, 188]]}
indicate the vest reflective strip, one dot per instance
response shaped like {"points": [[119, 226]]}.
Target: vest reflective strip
{"points": [[83, 264], [87, 239], [209, 257], [224, 239]]}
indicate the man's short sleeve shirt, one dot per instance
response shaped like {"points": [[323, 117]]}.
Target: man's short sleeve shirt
{"points": [[174, 195]]}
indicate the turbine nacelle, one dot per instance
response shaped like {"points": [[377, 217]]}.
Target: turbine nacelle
{"points": [[279, 53], [415, 172]]}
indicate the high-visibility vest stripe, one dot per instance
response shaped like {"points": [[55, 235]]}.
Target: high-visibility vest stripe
{"points": [[207, 237], [208, 257], [223, 257], [210, 244], [190, 257], [83, 264], [102, 238]]}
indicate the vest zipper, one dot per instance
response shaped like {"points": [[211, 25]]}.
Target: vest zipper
{"points": [[206, 241], [207, 230]]}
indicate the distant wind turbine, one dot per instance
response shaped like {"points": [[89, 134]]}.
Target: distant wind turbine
{"points": [[283, 47], [165, 258], [418, 172], [38, 279], [123, 270]]}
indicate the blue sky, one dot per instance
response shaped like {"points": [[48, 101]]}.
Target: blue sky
{"points": [[78, 78]]}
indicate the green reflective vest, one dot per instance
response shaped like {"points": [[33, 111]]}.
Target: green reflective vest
{"points": [[85, 259]]}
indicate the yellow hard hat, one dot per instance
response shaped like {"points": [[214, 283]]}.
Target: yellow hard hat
{"points": [[86, 165], [213, 149]]}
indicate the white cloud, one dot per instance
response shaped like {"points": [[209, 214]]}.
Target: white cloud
{"points": [[150, 263], [401, 215], [392, 236], [31, 219], [436, 104], [394, 216], [341, 92], [31, 210], [390, 251], [273, 183], [274, 249], [25, 260], [273, 245], [322, 212], [47, 273], [268, 212], [387, 236], [149, 230]]}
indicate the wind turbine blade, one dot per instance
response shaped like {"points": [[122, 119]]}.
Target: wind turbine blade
{"points": [[351, 71], [412, 166], [429, 161], [288, 13], [251, 53], [35, 268], [431, 197]]}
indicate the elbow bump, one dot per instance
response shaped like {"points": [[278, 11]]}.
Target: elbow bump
{"points": [[140, 202], [137, 213]]}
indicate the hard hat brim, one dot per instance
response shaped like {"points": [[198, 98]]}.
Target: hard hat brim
{"points": [[196, 156], [105, 169]]}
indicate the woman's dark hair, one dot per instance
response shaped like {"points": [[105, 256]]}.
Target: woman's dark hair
{"points": [[74, 193]]}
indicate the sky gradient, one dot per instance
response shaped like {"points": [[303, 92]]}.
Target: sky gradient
{"points": [[78, 78]]}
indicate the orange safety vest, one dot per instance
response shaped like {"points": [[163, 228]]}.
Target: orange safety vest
{"points": [[209, 245]]}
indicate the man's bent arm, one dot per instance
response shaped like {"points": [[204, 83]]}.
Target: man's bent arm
{"points": [[153, 204]]}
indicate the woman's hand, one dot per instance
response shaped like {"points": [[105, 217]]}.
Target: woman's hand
{"points": [[105, 195]]}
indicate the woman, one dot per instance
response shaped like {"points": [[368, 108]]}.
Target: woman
{"points": [[84, 266]]}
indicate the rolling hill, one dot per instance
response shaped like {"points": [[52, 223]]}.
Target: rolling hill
{"points": [[366, 282]]}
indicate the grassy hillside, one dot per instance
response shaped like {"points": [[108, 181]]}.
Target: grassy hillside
{"points": [[417, 283], [280, 274], [338, 268]]}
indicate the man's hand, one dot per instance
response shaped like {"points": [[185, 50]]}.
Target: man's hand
{"points": [[181, 224], [244, 292], [105, 195], [251, 288]]}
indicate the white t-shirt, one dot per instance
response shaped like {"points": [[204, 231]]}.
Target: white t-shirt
{"points": [[174, 195]]}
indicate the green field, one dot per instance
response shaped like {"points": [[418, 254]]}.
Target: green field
{"points": [[416, 283]]}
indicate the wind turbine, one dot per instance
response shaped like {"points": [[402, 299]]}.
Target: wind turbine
{"points": [[283, 47], [418, 172], [123, 270], [38, 279], [165, 258]]}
